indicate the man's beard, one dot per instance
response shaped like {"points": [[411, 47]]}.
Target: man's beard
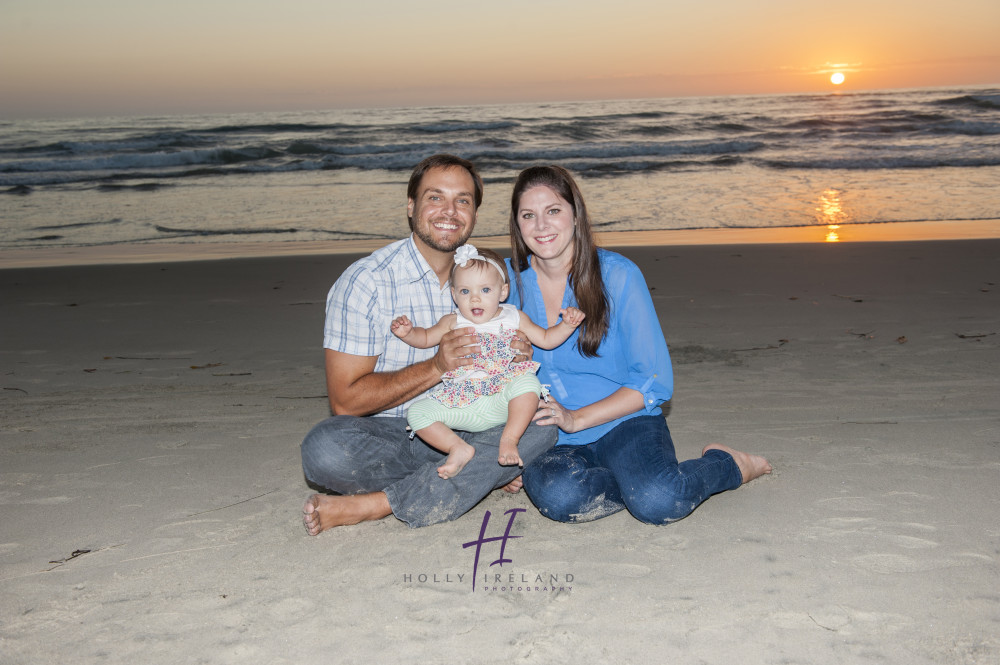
{"points": [[433, 243]]}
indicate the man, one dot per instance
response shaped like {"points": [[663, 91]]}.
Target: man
{"points": [[364, 453]]}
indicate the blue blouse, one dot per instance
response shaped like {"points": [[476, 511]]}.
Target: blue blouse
{"points": [[633, 354]]}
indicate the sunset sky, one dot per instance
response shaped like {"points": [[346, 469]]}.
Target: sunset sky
{"points": [[66, 57]]}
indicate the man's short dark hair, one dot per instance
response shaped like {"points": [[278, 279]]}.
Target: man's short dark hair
{"points": [[444, 161]]}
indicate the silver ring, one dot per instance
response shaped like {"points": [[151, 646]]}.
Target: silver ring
{"points": [[552, 412]]}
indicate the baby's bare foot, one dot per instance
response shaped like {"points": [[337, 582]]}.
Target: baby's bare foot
{"points": [[459, 456], [751, 466], [508, 455]]}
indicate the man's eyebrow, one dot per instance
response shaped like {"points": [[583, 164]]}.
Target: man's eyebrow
{"points": [[437, 190]]}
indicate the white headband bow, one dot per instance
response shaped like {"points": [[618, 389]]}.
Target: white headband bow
{"points": [[467, 253]]}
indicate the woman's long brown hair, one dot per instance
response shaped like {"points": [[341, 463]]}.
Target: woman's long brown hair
{"points": [[585, 272]]}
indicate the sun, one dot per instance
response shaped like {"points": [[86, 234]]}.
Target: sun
{"points": [[837, 78]]}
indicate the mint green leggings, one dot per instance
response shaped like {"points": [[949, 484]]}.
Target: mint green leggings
{"points": [[484, 413]]}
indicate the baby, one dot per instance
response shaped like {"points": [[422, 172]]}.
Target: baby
{"points": [[492, 390]]}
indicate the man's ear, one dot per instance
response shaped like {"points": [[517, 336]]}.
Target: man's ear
{"points": [[409, 208]]}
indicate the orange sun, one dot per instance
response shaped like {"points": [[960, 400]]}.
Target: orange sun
{"points": [[836, 78]]}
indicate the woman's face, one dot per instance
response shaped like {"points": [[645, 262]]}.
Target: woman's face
{"points": [[546, 223]]}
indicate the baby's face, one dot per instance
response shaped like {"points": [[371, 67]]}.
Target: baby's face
{"points": [[478, 291]]}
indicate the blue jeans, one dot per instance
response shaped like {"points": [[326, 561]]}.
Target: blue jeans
{"points": [[633, 466], [352, 455]]}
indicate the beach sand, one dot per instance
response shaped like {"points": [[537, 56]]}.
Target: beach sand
{"points": [[150, 481]]}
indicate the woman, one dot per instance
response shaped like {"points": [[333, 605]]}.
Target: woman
{"points": [[608, 380]]}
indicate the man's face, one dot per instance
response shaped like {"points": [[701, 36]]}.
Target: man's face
{"points": [[444, 213]]}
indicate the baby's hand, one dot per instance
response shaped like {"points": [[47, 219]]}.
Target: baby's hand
{"points": [[401, 326], [572, 316]]}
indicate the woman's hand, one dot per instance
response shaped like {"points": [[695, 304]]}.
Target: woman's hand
{"points": [[553, 413]]}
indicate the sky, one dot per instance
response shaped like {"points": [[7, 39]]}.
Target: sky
{"points": [[128, 57]]}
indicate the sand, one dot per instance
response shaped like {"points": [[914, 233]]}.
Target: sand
{"points": [[150, 485]]}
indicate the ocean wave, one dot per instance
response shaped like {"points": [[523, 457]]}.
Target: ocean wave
{"points": [[875, 163], [463, 126], [855, 130], [44, 238], [653, 130], [573, 131], [76, 225], [58, 147], [220, 232], [271, 128], [141, 187], [204, 232], [984, 101], [638, 115], [113, 162]]}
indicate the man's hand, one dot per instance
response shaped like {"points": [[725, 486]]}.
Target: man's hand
{"points": [[454, 349], [524, 349]]}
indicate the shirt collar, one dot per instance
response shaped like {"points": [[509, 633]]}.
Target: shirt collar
{"points": [[417, 267]]}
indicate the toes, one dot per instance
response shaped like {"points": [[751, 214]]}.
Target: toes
{"points": [[310, 517]]}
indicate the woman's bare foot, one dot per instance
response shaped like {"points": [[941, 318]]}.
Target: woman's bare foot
{"points": [[514, 486], [323, 511], [459, 456], [751, 466]]}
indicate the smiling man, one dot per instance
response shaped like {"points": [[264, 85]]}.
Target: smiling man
{"points": [[364, 454]]}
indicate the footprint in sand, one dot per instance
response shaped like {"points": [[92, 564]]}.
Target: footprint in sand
{"points": [[842, 619], [851, 504], [900, 563], [49, 501]]}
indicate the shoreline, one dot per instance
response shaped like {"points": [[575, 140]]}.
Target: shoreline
{"points": [[182, 252]]}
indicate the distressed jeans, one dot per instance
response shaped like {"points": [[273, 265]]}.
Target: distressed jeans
{"points": [[353, 455], [633, 466]]}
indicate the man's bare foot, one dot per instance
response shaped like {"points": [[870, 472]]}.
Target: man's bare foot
{"points": [[514, 486], [323, 511], [459, 456], [751, 466]]}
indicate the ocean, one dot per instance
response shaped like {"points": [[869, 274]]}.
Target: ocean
{"points": [[651, 164]]}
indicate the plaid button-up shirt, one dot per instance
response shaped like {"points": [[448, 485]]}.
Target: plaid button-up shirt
{"points": [[392, 281]]}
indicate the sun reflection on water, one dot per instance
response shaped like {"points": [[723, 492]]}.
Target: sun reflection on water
{"points": [[830, 212]]}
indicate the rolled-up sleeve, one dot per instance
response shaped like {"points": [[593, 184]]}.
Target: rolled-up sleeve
{"points": [[641, 339]]}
